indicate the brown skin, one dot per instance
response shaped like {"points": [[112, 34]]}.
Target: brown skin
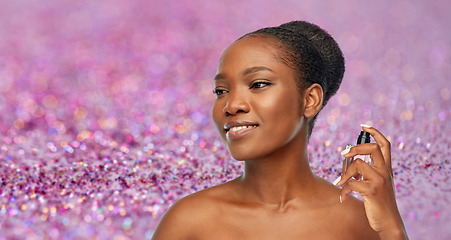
{"points": [[277, 197]]}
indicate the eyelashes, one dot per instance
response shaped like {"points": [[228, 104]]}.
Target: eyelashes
{"points": [[260, 84], [254, 85], [218, 92]]}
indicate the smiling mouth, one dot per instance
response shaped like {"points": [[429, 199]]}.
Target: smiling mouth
{"points": [[238, 128], [236, 132]]}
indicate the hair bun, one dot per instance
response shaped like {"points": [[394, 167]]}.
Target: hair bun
{"points": [[329, 50]]}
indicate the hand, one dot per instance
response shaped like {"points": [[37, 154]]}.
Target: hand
{"points": [[376, 187]]}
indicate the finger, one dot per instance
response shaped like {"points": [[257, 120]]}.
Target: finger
{"points": [[353, 185], [346, 163], [356, 169], [371, 149], [344, 166], [384, 144], [355, 174]]}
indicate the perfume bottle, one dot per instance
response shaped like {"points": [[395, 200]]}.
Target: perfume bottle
{"points": [[364, 137], [347, 161]]}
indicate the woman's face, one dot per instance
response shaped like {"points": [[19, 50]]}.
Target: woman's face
{"points": [[257, 109]]}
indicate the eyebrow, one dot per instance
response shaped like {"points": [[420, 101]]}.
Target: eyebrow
{"points": [[246, 72], [256, 69], [220, 76]]}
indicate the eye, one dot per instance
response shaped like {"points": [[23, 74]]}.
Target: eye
{"points": [[218, 92], [260, 84]]}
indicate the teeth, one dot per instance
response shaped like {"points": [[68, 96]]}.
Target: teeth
{"points": [[237, 128]]}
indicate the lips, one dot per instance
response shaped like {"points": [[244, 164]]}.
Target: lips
{"points": [[238, 129]]}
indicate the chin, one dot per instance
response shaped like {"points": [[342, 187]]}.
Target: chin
{"points": [[240, 154], [240, 157], [243, 153]]}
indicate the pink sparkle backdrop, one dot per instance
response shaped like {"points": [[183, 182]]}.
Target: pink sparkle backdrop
{"points": [[104, 107]]}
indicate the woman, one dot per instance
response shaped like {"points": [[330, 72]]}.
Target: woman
{"points": [[270, 85]]}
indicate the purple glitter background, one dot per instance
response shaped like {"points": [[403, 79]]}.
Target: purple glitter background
{"points": [[105, 107]]}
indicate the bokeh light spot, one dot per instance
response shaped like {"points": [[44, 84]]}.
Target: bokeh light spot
{"points": [[407, 73], [50, 101], [344, 99], [80, 113], [18, 123], [444, 93]]}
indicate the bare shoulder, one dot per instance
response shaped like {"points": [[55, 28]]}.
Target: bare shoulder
{"points": [[175, 222], [186, 218]]}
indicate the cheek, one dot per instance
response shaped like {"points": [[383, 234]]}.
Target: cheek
{"points": [[216, 114], [280, 106], [282, 114]]}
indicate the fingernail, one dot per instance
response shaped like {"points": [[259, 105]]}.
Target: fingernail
{"points": [[365, 126], [337, 180], [340, 199], [346, 151]]}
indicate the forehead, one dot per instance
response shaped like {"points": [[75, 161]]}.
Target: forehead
{"points": [[250, 51]]}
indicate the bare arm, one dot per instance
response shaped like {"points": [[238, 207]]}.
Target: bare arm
{"points": [[376, 187]]}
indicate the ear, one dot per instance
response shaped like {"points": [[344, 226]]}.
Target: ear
{"points": [[313, 100]]}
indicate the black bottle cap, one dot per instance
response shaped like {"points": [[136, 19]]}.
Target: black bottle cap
{"points": [[364, 137]]}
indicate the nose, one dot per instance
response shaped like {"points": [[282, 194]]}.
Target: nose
{"points": [[236, 103]]}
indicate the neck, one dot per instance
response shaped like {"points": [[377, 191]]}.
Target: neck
{"points": [[283, 176]]}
